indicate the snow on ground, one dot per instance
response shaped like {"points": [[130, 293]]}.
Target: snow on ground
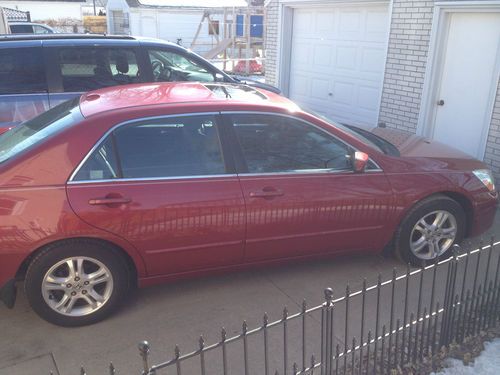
{"points": [[488, 362]]}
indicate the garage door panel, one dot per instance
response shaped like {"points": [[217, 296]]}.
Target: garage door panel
{"points": [[324, 24], [337, 60], [376, 26], [367, 98], [299, 84], [319, 89], [322, 55], [350, 25], [372, 60], [346, 57]]}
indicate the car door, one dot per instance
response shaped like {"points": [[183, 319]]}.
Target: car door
{"points": [[301, 193], [166, 187], [23, 83], [78, 66]]}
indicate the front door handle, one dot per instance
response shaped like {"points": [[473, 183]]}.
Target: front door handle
{"points": [[267, 192], [109, 201]]}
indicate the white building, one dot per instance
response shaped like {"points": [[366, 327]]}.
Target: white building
{"points": [[177, 21]]}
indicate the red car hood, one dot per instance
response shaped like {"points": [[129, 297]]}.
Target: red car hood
{"points": [[414, 146]]}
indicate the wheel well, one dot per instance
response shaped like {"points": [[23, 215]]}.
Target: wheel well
{"points": [[466, 205], [21, 272]]}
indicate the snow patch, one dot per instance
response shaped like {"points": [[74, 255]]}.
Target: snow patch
{"points": [[488, 362]]}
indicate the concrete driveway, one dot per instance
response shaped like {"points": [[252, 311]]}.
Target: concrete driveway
{"points": [[179, 313]]}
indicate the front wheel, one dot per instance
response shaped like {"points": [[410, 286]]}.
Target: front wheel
{"points": [[76, 282], [429, 230]]}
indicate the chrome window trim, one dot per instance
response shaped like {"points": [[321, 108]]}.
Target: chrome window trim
{"points": [[112, 129], [151, 179], [377, 169]]}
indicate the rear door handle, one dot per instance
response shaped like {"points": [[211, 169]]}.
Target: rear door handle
{"points": [[267, 193], [106, 201]]}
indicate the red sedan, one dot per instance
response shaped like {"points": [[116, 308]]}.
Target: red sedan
{"points": [[143, 184]]}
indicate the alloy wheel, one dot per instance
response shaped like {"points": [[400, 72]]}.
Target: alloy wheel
{"points": [[77, 286], [433, 234]]}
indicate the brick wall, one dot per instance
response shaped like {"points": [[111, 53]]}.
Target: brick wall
{"points": [[405, 68], [404, 73], [492, 155], [272, 22]]}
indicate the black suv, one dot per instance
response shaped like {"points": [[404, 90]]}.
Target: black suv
{"points": [[38, 72]]}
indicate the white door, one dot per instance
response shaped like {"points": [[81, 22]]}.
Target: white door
{"points": [[468, 83], [338, 59]]}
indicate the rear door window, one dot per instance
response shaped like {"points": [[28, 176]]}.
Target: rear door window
{"points": [[171, 147], [22, 71], [86, 69]]}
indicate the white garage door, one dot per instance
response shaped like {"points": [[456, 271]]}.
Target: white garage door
{"points": [[337, 61]]}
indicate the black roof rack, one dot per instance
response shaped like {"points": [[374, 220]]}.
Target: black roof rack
{"points": [[58, 36]]}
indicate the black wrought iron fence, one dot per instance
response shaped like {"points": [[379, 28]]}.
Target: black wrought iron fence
{"points": [[396, 323]]}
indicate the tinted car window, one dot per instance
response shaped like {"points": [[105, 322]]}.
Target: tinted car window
{"points": [[169, 66], [21, 29], [22, 71], [101, 165], [38, 129], [172, 147], [85, 69], [282, 144]]}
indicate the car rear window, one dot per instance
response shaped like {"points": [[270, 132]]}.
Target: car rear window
{"points": [[39, 129]]}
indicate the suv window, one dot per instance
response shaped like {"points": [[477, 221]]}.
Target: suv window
{"points": [[85, 69], [21, 29], [171, 147], [37, 29], [22, 71], [169, 66], [272, 143]]}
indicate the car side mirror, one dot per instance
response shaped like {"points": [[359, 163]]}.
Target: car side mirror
{"points": [[360, 161]]}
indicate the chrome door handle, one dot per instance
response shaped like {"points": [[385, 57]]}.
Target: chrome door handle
{"points": [[267, 193], [105, 201], [440, 102]]}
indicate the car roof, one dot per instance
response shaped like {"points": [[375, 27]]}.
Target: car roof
{"points": [[171, 93]]}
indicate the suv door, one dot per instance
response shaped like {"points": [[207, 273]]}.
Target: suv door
{"points": [[164, 185], [75, 69], [23, 83], [301, 194]]}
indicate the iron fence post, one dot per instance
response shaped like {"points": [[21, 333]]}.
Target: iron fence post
{"points": [[327, 333], [144, 350], [448, 297]]}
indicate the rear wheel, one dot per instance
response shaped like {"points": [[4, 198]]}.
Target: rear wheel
{"points": [[429, 230], [76, 282]]}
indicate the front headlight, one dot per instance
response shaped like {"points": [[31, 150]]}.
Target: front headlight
{"points": [[486, 177]]}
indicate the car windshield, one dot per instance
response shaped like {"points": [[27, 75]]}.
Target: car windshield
{"points": [[38, 129], [362, 135]]}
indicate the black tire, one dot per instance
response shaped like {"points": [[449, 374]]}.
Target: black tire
{"points": [[421, 209], [88, 248]]}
